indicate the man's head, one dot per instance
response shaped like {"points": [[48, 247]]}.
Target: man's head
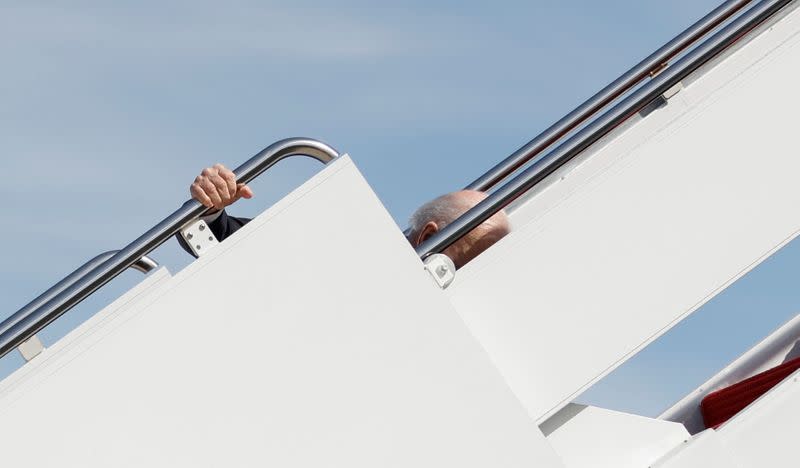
{"points": [[433, 216]]}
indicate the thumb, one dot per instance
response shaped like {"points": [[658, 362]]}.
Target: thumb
{"points": [[243, 191]]}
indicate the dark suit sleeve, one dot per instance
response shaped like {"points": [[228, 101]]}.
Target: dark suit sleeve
{"points": [[222, 227]]}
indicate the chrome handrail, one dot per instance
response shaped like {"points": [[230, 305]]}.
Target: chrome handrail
{"points": [[89, 279], [144, 265], [601, 126], [647, 67]]}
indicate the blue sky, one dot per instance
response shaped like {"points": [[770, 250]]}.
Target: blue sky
{"points": [[109, 110]]}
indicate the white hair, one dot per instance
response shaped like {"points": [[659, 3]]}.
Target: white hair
{"points": [[442, 210]]}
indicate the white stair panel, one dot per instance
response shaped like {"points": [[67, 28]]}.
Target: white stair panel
{"points": [[83, 337], [765, 433], [777, 348], [705, 450], [601, 438], [312, 337], [627, 242]]}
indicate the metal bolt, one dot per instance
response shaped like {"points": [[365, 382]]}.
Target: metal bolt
{"points": [[202, 227], [198, 246], [211, 238], [189, 235]]}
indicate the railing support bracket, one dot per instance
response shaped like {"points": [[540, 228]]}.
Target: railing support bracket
{"points": [[198, 237], [675, 89], [31, 348], [441, 268]]}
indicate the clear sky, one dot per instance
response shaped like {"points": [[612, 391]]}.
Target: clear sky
{"points": [[109, 109]]}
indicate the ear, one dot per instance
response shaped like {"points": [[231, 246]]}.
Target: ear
{"points": [[426, 232]]}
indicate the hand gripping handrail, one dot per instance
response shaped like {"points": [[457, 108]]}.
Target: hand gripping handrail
{"points": [[601, 126], [649, 66], [99, 272]]}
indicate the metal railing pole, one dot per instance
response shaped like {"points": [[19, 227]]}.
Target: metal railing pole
{"points": [[144, 265], [584, 138], [23, 327], [617, 88]]}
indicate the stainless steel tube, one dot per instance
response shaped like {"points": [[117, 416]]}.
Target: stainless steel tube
{"points": [[617, 88], [599, 127], [144, 265], [98, 275]]}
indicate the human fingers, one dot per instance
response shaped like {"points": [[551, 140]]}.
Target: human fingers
{"points": [[222, 190], [243, 191], [221, 187], [199, 194], [230, 181], [212, 192], [206, 182]]}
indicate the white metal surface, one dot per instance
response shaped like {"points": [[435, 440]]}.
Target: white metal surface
{"points": [[705, 450], [601, 438], [670, 93], [765, 433], [199, 237], [442, 269], [83, 337], [31, 348], [780, 346], [644, 231], [278, 349]]}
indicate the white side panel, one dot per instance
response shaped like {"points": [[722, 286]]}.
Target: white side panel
{"points": [[765, 433], [311, 338], [645, 230], [705, 450], [601, 438], [86, 334], [780, 346]]}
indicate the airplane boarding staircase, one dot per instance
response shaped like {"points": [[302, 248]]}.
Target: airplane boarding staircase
{"points": [[326, 348]]}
